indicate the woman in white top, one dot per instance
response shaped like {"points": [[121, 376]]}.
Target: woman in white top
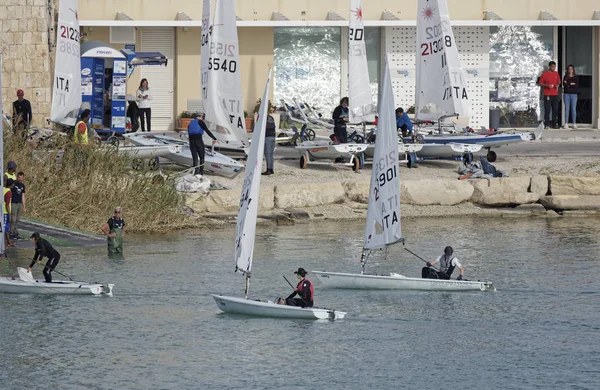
{"points": [[143, 98]]}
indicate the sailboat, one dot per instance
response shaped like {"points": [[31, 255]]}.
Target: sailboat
{"points": [[383, 226], [245, 236], [221, 79], [441, 91]]}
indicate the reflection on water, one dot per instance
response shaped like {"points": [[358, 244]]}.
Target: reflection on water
{"points": [[163, 330]]}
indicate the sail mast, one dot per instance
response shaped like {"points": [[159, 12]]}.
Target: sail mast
{"points": [[361, 108], [383, 213], [66, 97], [248, 209]]}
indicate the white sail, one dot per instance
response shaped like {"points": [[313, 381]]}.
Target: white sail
{"points": [[66, 98], [248, 210], [223, 104], [383, 212], [361, 107], [441, 84], [2, 243], [205, 49]]}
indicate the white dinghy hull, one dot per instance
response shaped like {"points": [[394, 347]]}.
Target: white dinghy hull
{"points": [[254, 308], [448, 150], [27, 285], [398, 282]]}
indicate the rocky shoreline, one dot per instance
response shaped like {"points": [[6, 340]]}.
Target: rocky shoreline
{"points": [[537, 195]]}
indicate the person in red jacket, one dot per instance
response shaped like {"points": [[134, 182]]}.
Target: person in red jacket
{"points": [[304, 289], [550, 80]]}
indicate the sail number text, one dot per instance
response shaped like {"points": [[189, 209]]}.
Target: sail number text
{"points": [[356, 34], [69, 33], [224, 64], [435, 33]]}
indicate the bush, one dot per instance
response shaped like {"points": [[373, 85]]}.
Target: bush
{"points": [[79, 188]]}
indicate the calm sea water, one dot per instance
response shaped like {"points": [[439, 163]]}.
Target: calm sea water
{"points": [[162, 329]]}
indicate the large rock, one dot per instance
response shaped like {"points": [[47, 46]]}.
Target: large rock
{"points": [[308, 195], [504, 191], [357, 191], [539, 185], [568, 185], [571, 202], [434, 192], [228, 201]]}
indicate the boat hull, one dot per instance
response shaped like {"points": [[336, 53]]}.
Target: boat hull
{"points": [[214, 163], [326, 151], [403, 149], [145, 152], [488, 141], [18, 286], [254, 308], [381, 282], [448, 150]]}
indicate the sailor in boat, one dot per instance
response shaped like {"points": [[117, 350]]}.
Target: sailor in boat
{"points": [[304, 289], [447, 265], [403, 122], [113, 229], [44, 249], [196, 130], [340, 117]]}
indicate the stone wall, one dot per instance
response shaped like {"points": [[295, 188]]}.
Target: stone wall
{"points": [[527, 195], [27, 63]]}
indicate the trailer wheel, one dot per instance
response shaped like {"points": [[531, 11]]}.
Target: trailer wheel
{"points": [[137, 164], [113, 140], [357, 139], [355, 164], [310, 134], [491, 156], [303, 162], [419, 139], [153, 163], [411, 160], [468, 158]]}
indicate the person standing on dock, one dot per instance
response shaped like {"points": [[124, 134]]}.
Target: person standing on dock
{"points": [[113, 229], [44, 249], [550, 81], [447, 265], [304, 289]]}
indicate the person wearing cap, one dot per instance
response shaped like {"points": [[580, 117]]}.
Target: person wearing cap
{"points": [[8, 186], [113, 229], [44, 249], [447, 265], [11, 168], [196, 130], [22, 114], [304, 289], [80, 133]]}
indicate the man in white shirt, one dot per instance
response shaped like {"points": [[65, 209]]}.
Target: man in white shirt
{"points": [[447, 264]]}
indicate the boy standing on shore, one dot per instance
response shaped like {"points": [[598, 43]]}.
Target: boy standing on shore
{"points": [[17, 206]]}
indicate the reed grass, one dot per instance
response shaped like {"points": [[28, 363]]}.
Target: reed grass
{"points": [[79, 187]]}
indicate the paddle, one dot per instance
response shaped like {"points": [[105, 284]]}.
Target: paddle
{"points": [[53, 270], [292, 286]]}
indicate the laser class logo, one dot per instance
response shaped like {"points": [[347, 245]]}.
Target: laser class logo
{"points": [[427, 12], [358, 13]]}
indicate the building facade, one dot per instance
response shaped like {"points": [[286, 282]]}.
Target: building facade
{"points": [[503, 45]]}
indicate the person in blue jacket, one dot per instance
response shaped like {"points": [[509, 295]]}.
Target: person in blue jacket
{"points": [[196, 130], [403, 122]]}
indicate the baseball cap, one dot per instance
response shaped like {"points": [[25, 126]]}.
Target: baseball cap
{"points": [[11, 165]]}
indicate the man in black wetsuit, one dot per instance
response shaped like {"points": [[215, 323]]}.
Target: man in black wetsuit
{"points": [[44, 249], [196, 130], [304, 289], [340, 118]]}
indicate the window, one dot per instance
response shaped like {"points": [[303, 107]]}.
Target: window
{"points": [[518, 55], [307, 66]]}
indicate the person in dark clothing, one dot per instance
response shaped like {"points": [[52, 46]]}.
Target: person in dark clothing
{"points": [[447, 265], [114, 229], [22, 114], [304, 289], [269, 144], [133, 113], [44, 249], [550, 81], [340, 117], [570, 89], [196, 130], [17, 206]]}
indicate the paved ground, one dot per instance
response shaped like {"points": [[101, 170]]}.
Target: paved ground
{"points": [[58, 236]]}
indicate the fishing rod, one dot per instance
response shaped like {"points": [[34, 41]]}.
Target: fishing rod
{"points": [[292, 286]]}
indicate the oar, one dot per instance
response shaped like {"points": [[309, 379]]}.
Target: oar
{"points": [[292, 286], [53, 270], [419, 257]]}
